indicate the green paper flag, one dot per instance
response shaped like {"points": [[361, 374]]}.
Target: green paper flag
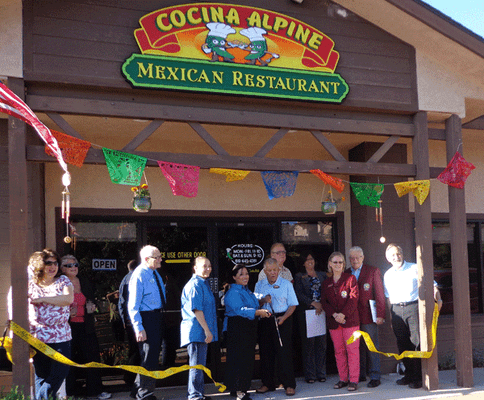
{"points": [[124, 168], [367, 194]]}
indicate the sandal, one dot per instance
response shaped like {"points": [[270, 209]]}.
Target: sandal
{"points": [[352, 387], [264, 389], [340, 384]]}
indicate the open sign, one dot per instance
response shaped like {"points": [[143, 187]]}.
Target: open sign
{"points": [[246, 253], [99, 264]]}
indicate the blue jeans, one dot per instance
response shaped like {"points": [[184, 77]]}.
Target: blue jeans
{"points": [[369, 361], [197, 354], [50, 374]]}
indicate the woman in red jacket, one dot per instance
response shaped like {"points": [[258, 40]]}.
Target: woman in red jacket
{"points": [[339, 297]]}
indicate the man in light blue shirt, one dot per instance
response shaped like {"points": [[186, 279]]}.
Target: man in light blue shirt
{"points": [[199, 324], [401, 290], [277, 295], [145, 306]]}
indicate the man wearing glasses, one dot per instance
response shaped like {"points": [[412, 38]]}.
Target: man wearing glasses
{"points": [[278, 253], [370, 288], [145, 307]]}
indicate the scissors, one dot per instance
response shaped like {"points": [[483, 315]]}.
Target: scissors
{"points": [[277, 326]]}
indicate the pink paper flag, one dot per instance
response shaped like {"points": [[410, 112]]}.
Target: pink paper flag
{"points": [[183, 179]]}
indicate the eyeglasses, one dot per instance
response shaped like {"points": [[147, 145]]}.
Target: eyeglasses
{"points": [[51, 263], [279, 253], [156, 257], [75, 265]]}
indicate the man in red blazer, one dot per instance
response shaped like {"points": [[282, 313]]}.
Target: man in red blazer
{"points": [[370, 287]]}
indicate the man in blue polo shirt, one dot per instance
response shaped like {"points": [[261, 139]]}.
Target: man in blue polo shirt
{"points": [[277, 295], [145, 306], [199, 324]]}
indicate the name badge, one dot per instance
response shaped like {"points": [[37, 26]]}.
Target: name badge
{"points": [[276, 287]]}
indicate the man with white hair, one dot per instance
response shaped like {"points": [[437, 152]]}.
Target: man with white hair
{"points": [[370, 288], [145, 308]]}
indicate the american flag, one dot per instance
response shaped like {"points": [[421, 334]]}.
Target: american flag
{"points": [[12, 105]]}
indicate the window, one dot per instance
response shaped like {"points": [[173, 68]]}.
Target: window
{"points": [[443, 266]]}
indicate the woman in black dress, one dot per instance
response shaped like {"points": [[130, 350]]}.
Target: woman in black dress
{"points": [[241, 310]]}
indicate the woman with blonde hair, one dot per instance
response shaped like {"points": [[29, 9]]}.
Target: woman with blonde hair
{"points": [[50, 295], [339, 298]]}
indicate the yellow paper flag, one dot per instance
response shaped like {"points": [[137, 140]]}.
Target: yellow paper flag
{"points": [[232, 174], [420, 189]]}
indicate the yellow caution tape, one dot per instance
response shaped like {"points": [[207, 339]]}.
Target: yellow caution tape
{"points": [[50, 352], [409, 354]]}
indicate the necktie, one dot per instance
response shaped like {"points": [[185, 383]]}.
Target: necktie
{"points": [[162, 296]]}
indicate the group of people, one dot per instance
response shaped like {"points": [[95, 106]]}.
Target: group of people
{"points": [[61, 314]]}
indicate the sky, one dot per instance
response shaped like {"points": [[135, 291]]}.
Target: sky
{"points": [[469, 13]]}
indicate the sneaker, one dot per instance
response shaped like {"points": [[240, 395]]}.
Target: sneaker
{"points": [[104, 396]]}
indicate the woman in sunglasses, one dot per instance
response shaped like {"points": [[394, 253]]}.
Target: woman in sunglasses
{"points": [[339, 298], [85, 347], [50, 296]]}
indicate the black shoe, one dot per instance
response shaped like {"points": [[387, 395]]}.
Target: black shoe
{"points": [[415, 385], [362, 379], [310, 380], [403, 381], [374, 383]]}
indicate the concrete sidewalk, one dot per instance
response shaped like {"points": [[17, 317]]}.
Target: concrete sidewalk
{"points": [[388, 390]]}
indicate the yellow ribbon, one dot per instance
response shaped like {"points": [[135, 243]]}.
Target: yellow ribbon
{"points": [[50, 352], [409, 354]]}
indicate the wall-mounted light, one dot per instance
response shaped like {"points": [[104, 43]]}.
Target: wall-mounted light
{"points": [[297, 1]]}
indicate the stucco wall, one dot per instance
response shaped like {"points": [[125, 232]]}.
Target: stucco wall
{"points": [[439, 90], [11, 34], [92, 188]]}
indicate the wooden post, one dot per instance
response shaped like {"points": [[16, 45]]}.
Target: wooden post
{"points": [[460, 264], [19, 242], [423, 238]]}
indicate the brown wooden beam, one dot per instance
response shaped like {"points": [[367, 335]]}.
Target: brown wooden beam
{"points": [[95, 156], [202, 132], [330, 148], [364, 123], [425, 262], [64, 125], [271, 143], [384, 149], [19, 240], [460, 264], [143, 135]]}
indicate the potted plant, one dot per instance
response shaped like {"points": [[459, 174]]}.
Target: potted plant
{"points": [[142, 198]]}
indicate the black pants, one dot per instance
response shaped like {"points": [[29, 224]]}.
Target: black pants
{"points": [[406, 328], [271, 350], [133, 353], [241, 339], [149, 351], [85, 348]]}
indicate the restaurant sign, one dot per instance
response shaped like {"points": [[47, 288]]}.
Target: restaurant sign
{"points": [[233, 49]]}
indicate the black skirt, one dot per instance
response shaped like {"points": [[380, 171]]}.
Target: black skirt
{"points": [[241, 340]]}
